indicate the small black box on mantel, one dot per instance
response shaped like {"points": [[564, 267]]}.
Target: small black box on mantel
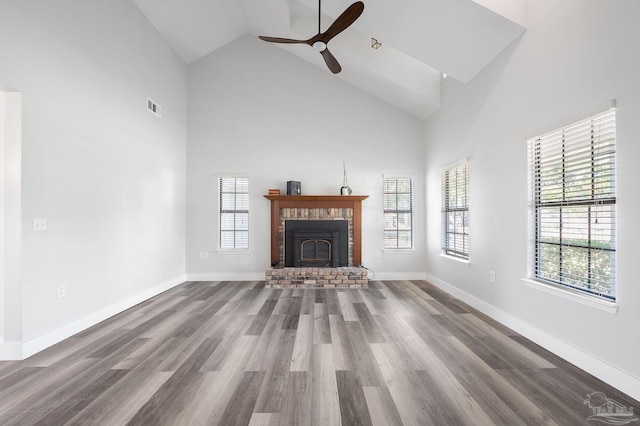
{"points": [[293, 187]]}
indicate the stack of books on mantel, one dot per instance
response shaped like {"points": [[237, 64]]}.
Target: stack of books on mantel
{"points": [[274, 192]]}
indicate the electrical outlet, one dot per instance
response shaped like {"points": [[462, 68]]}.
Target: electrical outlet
{"points": [[62, 290], [379, 254], [39, 224], [492, 276], [203, 255]]}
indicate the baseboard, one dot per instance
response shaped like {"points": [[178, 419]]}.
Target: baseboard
{"points": [[40, 343], [603, 371], [10, 351], [396, 276], [231, 276]]}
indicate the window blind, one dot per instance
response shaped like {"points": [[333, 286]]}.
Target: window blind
{"points": [[398, 212], [455, 211], [573, 205], [234, 213]]}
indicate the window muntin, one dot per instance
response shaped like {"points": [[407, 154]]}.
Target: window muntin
{"points": [[398, 212], [455, 211], [234, 213], [573, 206]]}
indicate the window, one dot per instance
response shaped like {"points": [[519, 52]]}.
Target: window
{"points": [[573, 206], [455, 211], [234, 213], [398, 212]]}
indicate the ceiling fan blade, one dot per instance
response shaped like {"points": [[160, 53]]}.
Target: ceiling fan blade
{"points": [[331, 61], [347, 18], [281, 40]]}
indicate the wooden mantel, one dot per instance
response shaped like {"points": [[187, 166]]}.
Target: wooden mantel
{"points": [[317, 202]]}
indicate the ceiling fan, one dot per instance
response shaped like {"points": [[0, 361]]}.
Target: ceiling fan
{"points": [[320, 40]]}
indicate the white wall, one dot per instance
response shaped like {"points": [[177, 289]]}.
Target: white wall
{"points": [[10, 186], [577, 56], [2, 225], [257, 110], [109, 177]]}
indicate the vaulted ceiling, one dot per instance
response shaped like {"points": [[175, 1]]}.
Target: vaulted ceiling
{"points": [[421, 39]]}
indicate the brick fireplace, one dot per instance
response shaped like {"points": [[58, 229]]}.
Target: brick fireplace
{"points": [[321, 209]]}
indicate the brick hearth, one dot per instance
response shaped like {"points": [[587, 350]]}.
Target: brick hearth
{"points": [[351, 276]]}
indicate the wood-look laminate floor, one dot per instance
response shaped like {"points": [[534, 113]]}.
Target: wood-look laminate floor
{"points": [[234, 353]]}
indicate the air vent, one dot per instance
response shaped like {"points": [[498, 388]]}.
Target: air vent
{"points": [[154, 107]]}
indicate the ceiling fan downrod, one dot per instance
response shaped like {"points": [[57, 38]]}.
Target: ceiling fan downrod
{"points": [[319, 15], [319, 45]]}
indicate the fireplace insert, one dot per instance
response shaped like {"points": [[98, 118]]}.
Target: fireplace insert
{"points": [[321, 243]]}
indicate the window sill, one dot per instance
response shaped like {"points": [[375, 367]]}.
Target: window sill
{"points": [[603, 305], [453, 259]]}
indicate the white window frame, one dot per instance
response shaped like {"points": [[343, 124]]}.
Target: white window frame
{"points": [[222, 211], [389, 211], [588, 146], [448, 248]]}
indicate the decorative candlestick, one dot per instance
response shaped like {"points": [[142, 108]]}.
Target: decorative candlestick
{"points": [[345, 190]]}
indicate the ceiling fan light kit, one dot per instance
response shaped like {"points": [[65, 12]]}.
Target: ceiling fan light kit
{"points": [[319, 46], [319, 41]]}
